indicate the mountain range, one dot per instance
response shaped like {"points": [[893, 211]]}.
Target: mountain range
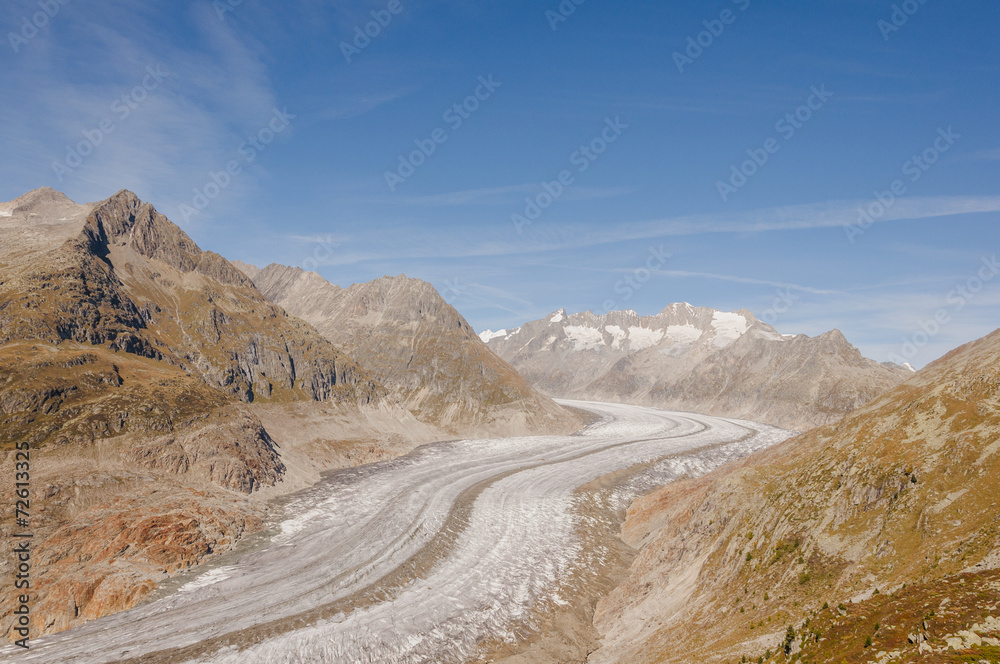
{"points": [[696, 359]]}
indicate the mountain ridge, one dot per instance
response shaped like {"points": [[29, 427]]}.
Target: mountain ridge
{"points": [[698, 359], [421, 348]]}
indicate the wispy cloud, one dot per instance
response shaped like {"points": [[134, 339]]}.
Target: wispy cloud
{"points": [[320, 239], [212, 94], [507, 195], [804, 217], [546, 237], [981, 155], [747, 280], [352, 107]]}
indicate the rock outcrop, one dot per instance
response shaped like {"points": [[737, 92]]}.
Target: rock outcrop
{"points": [[696, 359]]}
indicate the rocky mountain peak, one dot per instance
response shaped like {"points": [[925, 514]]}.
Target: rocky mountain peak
{"points": [[39, 196], [37, 209], [125, 221]]}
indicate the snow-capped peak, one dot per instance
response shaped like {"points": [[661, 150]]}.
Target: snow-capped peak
{"points": [[558, 316], [907, 365]]}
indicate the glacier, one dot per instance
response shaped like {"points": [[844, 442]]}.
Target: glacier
{"points": [[417, 559]]}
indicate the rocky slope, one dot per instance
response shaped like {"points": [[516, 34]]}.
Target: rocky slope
{"points": [[140, 371], [696, 359], [417, 345], [873, 539]]}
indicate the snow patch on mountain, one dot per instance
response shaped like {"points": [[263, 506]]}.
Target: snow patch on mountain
{"points": [[584, 338], [728, 327], [489, 335], [684, 334], [558, 316], [618, 335], [640, 338]]}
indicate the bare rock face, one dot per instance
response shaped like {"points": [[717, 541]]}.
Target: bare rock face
{"points": [[231, 449], [111, 557], [697, 359], [900, 492], [420, 348]]}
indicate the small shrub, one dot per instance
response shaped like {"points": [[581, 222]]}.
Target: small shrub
{"points": [[789, 638]]}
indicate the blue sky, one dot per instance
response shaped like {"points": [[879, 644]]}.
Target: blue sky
{"points": [[834, 99]]}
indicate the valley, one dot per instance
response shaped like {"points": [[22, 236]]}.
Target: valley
{"points": [[425, 557]]}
